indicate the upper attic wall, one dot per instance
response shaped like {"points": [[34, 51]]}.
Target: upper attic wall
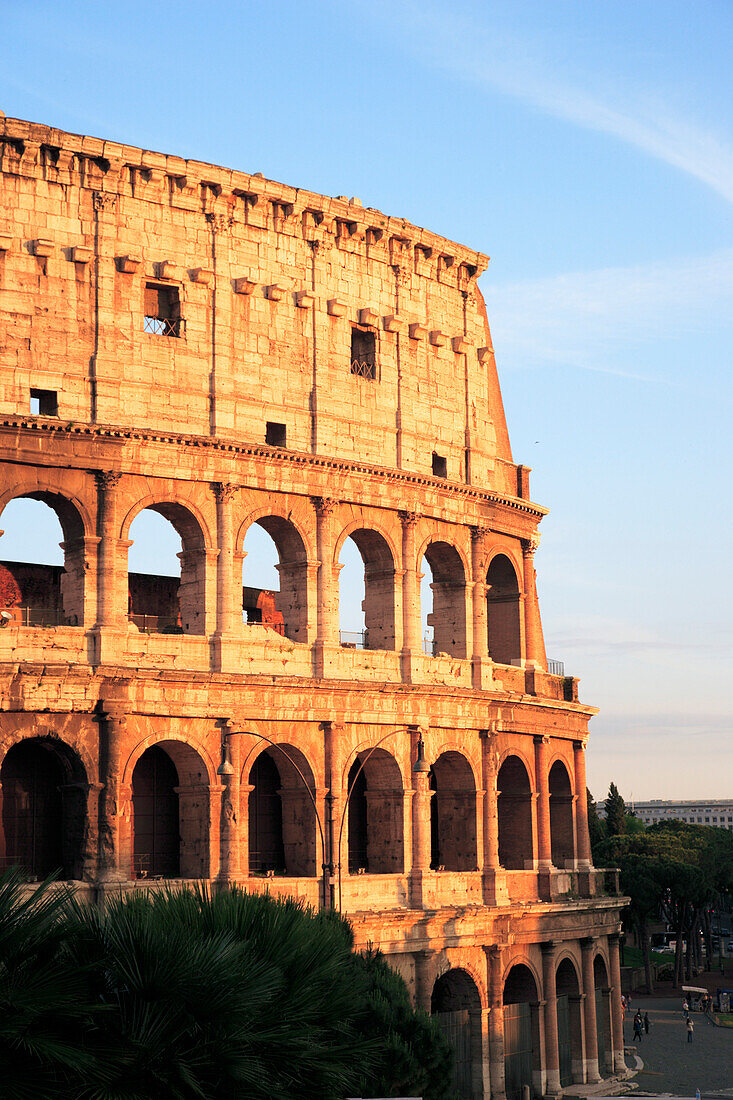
{"points": [[271, 283]]}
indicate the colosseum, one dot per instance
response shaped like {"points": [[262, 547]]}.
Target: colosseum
{"points": [[231, 353]]}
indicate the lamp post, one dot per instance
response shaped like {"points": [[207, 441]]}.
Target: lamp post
{"points": [[226, 771]]}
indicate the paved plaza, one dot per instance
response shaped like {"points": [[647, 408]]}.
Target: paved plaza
{"points": [[671, 1064]]}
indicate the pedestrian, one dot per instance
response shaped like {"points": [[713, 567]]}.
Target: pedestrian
{"points": [[686, 1008], [646, 1022], [638, 1027], [690, 1029]]}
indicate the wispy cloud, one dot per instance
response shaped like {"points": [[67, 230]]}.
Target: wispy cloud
{"points": [[581, 318], [485, 54]]}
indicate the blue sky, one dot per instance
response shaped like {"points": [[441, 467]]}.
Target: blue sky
{"points": [[587, 149]]}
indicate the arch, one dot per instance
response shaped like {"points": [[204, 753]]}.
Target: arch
{"points": [[375, 814], [569, 1022], [170, 812], [281, 817], [503, 611], [522, 1043], [43, 785], [161, 605], [448, 617], [561, 815], [604, 1032], [291, 599], [456, 1004], [379, 585], [453, 813], [49, 595], [515, 815]]}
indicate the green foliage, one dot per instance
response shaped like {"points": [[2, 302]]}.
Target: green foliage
{"points": [[414, 1059], [615, 812], [596, 827], [194, 997]]}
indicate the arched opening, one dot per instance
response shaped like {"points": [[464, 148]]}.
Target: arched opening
{"points": [[375, 576], [170, 813], [167, 571], [453, 814], [456, 1005], [447, 615], [43, 567], [376, 842], [603, 1016], [505, 643], [522, 1050], [44, 819], [515, 816], [282, 821], [561, 816], [569, 1024], [275, 578]]}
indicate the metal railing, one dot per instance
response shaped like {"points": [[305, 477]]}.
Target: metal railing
{"points": [[365, 368], [428, 646], [555, 668], [156, 624], [162, 326], [38, 616], [354, 639]]}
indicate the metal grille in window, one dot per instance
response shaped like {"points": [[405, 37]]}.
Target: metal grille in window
{"points": [[363, 353], [162, 310]]}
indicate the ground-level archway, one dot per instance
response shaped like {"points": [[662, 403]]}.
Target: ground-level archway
{"points": [[44, 816], [522, 1045], [569, 1024], [456, 1005], [603, 1016]]}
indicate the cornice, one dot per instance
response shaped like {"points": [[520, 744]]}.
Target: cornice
{"points": [[115, 433]]}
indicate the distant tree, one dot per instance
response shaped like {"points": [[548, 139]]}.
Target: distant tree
{"points": [[596, 826], [615, 812], [633, 824]]}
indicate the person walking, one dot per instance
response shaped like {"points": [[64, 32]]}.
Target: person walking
{"points": [[686, 1008], [690, 1029], [646, 1023], [638, 1025]]}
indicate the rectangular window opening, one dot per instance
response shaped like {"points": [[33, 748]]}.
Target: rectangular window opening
{"points": [[44, 403], [364, 353], [440, 465], [162, 310], [275, 434]]}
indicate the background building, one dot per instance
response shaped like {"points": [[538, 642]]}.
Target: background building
{"points": [[228, 351], [716, 811]]}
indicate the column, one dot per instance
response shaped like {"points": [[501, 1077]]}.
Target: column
{"points": [[496, 1022], [544, 838], [327, 637], [113, 723], [411, 623], [481, 665], [581, 806], [534, 644], [617, 1024], [494, 877], [229, 852], [420, 829], [589, 1011], [225, 492], [108, 615], [423, 985], [552, 1050], [336, 827]]}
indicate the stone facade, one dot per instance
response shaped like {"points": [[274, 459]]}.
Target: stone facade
{"points": [[227, 351]]}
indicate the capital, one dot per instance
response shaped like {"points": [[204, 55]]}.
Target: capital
{"points": [[324, 506], [106, 479], [219, 223], [225, 491], [408, 519], [479, 532], [541, 739], [530, 545], [548, 947], [102, 200]]}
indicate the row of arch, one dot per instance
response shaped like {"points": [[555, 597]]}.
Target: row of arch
{"points": [[524, 1058], [365, 560], [45, 814]]}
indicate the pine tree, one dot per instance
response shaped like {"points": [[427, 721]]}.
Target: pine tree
{"points": [[615, 812]]}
